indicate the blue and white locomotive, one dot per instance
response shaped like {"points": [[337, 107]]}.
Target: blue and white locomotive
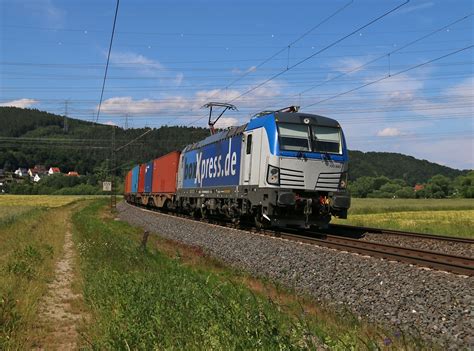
{"points": [[282, 169]]}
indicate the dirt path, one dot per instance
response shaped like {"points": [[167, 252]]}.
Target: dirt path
{"points": [[56, 314]]}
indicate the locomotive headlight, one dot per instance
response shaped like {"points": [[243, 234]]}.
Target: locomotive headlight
{"points": [[343, 181], [273, 175]]}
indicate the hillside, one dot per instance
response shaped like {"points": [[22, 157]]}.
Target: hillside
{"points": [[30, 137], [396, 166]]}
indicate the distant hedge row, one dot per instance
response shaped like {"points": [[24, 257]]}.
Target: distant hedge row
{"points": [[437, 187]]}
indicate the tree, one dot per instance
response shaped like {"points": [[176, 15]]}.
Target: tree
{"points": [[439, 186], [362, 187], [464, 185]]}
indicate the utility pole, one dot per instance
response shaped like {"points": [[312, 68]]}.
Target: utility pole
{"points": [[126, 121], [65, 126], [113, 194]]}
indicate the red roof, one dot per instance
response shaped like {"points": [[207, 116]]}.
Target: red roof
{"points": [[73, 174], [55, 170], [418, 187]]}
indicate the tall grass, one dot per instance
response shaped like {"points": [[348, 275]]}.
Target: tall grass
{"points": [[145, 299], [30, 245], [454, 217], [366, 206], [42, 200]]}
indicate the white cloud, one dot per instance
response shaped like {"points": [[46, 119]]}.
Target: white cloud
{"points": [[178, 104], [21, 103], [414, 8], [389, 132], [126, 104], [349, 65], [143, 65], [111, 123], [46, 11], [248, 70], [133, 60], [225, 122]]}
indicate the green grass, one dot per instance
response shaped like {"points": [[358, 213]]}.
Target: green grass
{"points": [[9, 214], [30, 245], [366, 206], [50, 201], [149, 299], [453, 217]]}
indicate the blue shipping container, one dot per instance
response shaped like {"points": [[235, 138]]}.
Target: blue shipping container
{"points": [[148, 176], [135, 179]]}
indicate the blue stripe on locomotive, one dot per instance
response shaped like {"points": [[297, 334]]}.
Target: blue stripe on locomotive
{"points": [[148, 176], [135, 171], [216, 164], [268, 122]]}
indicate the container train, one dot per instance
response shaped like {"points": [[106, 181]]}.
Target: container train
{"points": [[281, 169]]}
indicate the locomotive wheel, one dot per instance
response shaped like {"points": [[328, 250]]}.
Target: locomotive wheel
{"points": [[258, 219]]}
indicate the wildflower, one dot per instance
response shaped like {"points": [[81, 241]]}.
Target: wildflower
{"points": [[387, 341]]}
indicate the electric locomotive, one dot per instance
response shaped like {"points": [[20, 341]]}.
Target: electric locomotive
{"points": [[281, 169]]}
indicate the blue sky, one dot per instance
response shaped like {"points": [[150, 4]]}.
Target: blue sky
{"points": [[170, 57]]}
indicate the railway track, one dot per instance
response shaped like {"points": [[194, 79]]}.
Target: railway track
{"points": [[431, 259], [424, 258], [359, 230]]}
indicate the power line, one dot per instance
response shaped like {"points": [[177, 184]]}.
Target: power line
{"points": [[321, 50], [88, 65], [388, 54], [108, 59], [288, 46], [391, 75]]}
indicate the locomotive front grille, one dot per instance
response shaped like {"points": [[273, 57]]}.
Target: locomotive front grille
{"points": [[328, 181], [291, 177]]}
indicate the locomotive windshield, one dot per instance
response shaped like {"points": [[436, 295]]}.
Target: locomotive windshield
{"points": [[309, 138], [294, 137]]}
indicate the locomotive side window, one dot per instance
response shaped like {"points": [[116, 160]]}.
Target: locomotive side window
{"points": [[249, 144], [326, 139], [294, 137]]}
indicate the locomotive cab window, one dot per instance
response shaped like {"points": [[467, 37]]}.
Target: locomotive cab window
{"points": [[294, 137], [249, 144], [326, 139]]}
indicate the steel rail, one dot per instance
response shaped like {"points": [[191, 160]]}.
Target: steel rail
{"points": [[401, 233], [424, 258], [436, 260]]}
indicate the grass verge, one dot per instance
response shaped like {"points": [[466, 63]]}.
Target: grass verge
{"points": [[30, 246], [173, 297]]}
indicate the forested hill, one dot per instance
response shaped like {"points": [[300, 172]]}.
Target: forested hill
{"points": [[396, 166], [29, 137]]}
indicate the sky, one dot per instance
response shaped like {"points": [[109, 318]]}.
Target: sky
{"points": [[402, 82]]}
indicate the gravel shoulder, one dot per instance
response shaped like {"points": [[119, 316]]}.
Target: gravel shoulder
{"points": [[434, 305], [450, 248]]}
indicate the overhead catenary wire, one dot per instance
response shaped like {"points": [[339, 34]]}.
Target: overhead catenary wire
{"points": [[389, 53], [287, 47], [334, 43], [391, 75], [108, 59]]}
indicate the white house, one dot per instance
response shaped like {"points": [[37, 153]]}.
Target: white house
{"points": [[21, 172], [36, 178], [54, 170]]}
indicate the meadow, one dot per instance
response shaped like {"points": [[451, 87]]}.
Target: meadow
{"points": [[453, 217], [171, 296]]}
